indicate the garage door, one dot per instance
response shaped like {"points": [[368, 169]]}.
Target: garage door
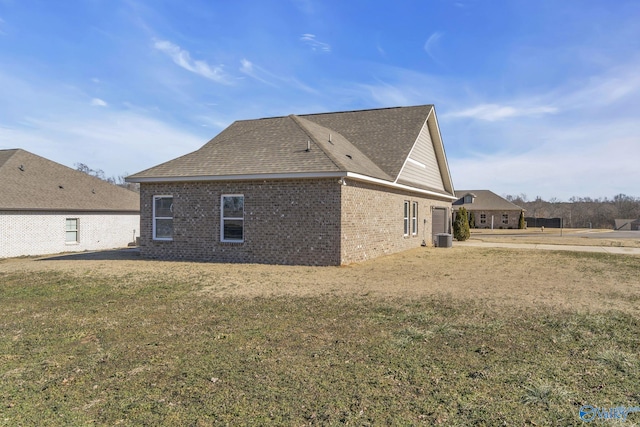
{"points": [[438, 222]]}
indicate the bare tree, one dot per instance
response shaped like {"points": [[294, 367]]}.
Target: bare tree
{"points": [[584, 211], [99, 173]]}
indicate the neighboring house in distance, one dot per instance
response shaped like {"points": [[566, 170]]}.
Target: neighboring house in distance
{"points": [[315, 189], [489, 209], [47, 208], [628, 224]]}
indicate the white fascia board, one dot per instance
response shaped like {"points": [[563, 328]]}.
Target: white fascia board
{"points": [[246, 177], [364, 178], [447, 179], [300, 175]]}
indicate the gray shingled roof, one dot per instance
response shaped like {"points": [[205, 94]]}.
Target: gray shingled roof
{"points": [[484, 200], [374, 143], [31, 182], [384, 135]]}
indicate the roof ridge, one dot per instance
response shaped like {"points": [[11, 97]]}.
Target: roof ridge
{"points": [[362, 110], [309, 134], [9, 155], [339, 148], [367, 109]]}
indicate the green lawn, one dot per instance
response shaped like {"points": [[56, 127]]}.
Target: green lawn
{"points": [[92, 350]]}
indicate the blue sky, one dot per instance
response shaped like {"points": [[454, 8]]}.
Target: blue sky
{"points": [[540, 98]]}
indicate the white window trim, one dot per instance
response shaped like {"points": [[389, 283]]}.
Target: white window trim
{"points": [[77, 231], [414, 218], [154, 217], [223, 218], [406, 215]]}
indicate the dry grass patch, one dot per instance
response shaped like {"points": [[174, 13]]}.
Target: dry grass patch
{"points": [[466, 336]]}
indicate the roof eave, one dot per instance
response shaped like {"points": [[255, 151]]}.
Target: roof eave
{"points": [[299, 175], [238, 177], [395, 185]]}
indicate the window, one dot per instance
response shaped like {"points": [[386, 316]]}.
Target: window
{"points": [[414, 218], [406, 217], [163, 217], [232, 218], [71, 229], [483, 218], [468, 199], [505, 218]]}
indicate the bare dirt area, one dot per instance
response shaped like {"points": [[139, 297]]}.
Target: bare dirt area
{"points": [[493, 276]]}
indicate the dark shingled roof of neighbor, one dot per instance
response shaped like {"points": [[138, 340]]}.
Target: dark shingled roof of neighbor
{"points": [[33, 183]]}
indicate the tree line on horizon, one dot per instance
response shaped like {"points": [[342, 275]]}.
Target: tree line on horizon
{"points": [[99, 173], [581, 212]]}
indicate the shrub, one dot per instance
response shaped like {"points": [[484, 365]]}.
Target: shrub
{"points": [[521, 223], [461, 226]]}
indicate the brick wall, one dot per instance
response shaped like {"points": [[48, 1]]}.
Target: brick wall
{"points": [[286, 222], [38, 233], [307, 222], [373, 221], [514, 217]]}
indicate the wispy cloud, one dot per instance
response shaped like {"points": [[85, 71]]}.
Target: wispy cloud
{"points": [[97, 102], [248, 68], [612, 92], [315, 44], [495, 112], [613, 86], [264, 76], [116, 142], [557, 139], [182, 58], [385, 94], [431, 45], [548, 167]]}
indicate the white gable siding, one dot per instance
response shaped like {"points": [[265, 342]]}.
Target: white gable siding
{"points": [[37, 233], [421, 167]]}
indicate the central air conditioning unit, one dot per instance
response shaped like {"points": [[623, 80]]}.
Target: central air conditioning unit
{"points": [[444, 240]]}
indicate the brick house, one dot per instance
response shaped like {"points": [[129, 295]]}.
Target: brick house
{"points": [[317, 189], [47, 208], [489, 209]]}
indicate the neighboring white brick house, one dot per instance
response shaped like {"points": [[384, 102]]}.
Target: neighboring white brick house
{"points": [[316, 189], [48, 208]]}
